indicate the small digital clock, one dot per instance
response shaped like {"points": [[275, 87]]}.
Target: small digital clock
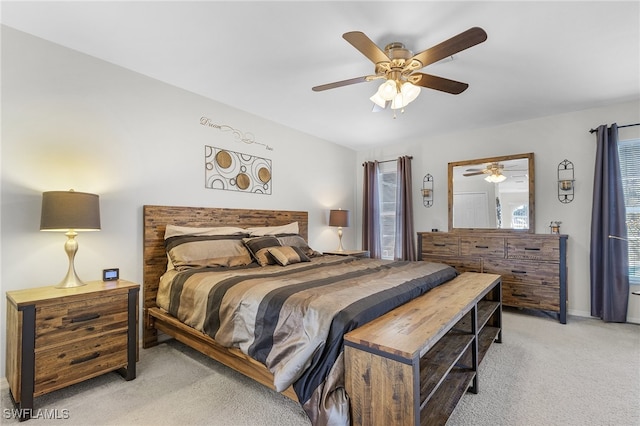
{"points": [[112, 274]]}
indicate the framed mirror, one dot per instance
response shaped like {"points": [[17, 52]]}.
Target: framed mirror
{"points": [[492, 194]]}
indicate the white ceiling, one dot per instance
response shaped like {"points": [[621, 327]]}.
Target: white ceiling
{"points": [[540, 58]]}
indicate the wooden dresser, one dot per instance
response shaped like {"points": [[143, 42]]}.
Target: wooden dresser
{"points": [[58, 337], [412, 365], [533, 266]]}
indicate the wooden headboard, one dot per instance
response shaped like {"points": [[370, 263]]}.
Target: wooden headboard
{"points": [[156, 219]]}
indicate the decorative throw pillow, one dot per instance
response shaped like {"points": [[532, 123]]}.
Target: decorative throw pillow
{"points": [[176, 230], [258, 231], [296, 240], [259, 248], [192, 251], [287, 255]]}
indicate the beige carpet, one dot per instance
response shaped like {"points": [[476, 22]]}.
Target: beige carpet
{"points": [[544, 373]]}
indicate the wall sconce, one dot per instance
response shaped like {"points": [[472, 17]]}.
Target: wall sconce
{"points": [[69, 212], [427, 191], [566, 181]]}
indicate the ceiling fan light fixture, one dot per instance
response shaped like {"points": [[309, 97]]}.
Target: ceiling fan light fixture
{"points": [[388, 90], [410, 92], [378, 100], [495, 178], [399, 101]]}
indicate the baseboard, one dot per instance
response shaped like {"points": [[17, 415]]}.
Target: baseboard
{"points": [[587, 314]]}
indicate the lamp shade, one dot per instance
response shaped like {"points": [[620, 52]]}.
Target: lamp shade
{"points": [[339, 218], [66, 210]]}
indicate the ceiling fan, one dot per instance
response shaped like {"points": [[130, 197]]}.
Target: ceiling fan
{"points": [[398, 66], [494, 172], [491, 168]]}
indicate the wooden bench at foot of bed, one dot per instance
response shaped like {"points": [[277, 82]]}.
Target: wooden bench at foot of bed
{"points": [[412, 365]]}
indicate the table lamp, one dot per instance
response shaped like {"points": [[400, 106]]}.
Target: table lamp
{"points": [[339, 218], [69, 212]]}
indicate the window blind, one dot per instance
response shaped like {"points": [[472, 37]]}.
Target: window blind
{"points": [[629, 154]]}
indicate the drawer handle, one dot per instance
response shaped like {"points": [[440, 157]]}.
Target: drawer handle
{"points": [[532, 248], [483, 247], [86, 317], [85, 358], [439, 245], [515, 271]]}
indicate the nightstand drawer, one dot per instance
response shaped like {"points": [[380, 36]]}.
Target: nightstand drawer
{"points": [[64, 365], [56, 324]]}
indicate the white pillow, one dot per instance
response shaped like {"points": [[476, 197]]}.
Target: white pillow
{"points": [[260, 231], [175, 230]]}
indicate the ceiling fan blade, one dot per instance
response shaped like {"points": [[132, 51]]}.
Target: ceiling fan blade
{"points": [[367, 47], [455, 44], [340, 83], [473, 174], [439, 83]]}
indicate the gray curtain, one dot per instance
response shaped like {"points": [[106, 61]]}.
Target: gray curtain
{"points": [[404, 248], [609, 256], [371, 210]]}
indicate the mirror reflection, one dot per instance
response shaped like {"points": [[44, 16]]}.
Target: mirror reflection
{"points": [[492, 193]]}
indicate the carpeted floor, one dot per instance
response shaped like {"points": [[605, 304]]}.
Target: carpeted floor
{"points": [[544, 373]]}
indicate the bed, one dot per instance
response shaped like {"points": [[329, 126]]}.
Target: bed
{"points": [[268, 321]]}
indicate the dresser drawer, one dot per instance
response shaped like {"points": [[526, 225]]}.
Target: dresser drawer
{"points": [[525, 272], [460, 265], [440, 245], [482, 247], [530, 296], [56, 324], [533, 248], [64, 365]]}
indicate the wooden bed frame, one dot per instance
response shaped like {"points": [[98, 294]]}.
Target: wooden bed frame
{"points": [[156, 218], [445, 306]]}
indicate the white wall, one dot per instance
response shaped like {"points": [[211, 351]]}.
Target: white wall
{"points": [[72, 121], [552, 139]]}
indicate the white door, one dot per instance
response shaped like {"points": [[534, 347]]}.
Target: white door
{"points": [[472, 210]]}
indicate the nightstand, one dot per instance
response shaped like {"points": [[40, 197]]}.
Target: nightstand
{"points": [[354, 253], [59, 337]]}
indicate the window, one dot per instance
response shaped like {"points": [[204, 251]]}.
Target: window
{"points": [[520, 217], [387, 183], [629, 153]]}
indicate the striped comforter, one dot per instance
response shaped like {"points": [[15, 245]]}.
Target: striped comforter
{"points": [[293, 318]]}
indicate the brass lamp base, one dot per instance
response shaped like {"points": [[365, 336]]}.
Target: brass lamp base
{"points": [[71, 280], [340, 248]]}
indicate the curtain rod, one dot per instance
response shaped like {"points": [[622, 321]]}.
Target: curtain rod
{"points": [[386, 161], [619, 127]]}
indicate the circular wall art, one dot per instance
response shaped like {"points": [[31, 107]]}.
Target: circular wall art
{"points": [[234, 171], [223, 158], [243, 181], [264, 174]]}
